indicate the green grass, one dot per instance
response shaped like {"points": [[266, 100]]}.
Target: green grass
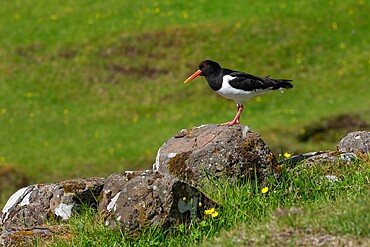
{"points": [[91, 88], [334, 223], [309, 211], [299, 208]]}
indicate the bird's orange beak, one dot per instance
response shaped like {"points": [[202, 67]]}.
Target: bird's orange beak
{"points": [[193, 76]]}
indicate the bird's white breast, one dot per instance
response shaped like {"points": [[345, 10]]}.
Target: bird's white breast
{"points": [[238, 95]]}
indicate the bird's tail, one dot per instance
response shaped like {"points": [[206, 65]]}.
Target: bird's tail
{"points": [[279, 83]]}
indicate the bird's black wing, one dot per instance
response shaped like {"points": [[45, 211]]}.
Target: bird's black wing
{"points": [[250, 82]]}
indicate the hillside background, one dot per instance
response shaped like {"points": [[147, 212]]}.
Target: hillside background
{"points": [[89, 88]]}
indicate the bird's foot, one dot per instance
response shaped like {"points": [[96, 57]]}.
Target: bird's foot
{"points": [[236, 120], [231, 123]]}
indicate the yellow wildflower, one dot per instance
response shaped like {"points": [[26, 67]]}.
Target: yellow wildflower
{"points": [[264, 190], [199, 204], [287, 155], [209, 211], [214, 214]]}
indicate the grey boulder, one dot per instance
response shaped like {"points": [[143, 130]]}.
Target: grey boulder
{"points": [[358, 141], [35, 204], [136, 199], [220, 151]]}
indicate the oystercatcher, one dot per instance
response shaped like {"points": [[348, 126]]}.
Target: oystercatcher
{"points": [[236, 85]]}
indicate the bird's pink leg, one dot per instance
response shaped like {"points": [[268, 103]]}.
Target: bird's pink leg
{"points": [[236, 120]]}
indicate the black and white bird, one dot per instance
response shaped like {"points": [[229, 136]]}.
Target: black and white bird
{"points": [[236, 85]]}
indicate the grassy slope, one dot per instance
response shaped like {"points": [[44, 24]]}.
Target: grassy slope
{"points": [[90, 88]]}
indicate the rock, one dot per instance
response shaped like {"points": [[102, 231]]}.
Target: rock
{"points": [[27, 236], [136, 199], [300, 157], [331, 178], [322, 157], [234, 152], [158, 197], [358, 141], [36, 204]]}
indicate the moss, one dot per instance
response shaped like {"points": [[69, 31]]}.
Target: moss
{"points": [[255, 157], [249, 143], [101, 197], [177, 166], [271, 158], [21, 237], [247, 149], [130, 175], [72, 186], [142, 215], [183, 133]]}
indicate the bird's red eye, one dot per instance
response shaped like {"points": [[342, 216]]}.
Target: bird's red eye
{"points": [[205, 65]]}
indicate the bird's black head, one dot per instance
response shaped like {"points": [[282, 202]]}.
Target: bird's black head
{"points": [[208, 67]]}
